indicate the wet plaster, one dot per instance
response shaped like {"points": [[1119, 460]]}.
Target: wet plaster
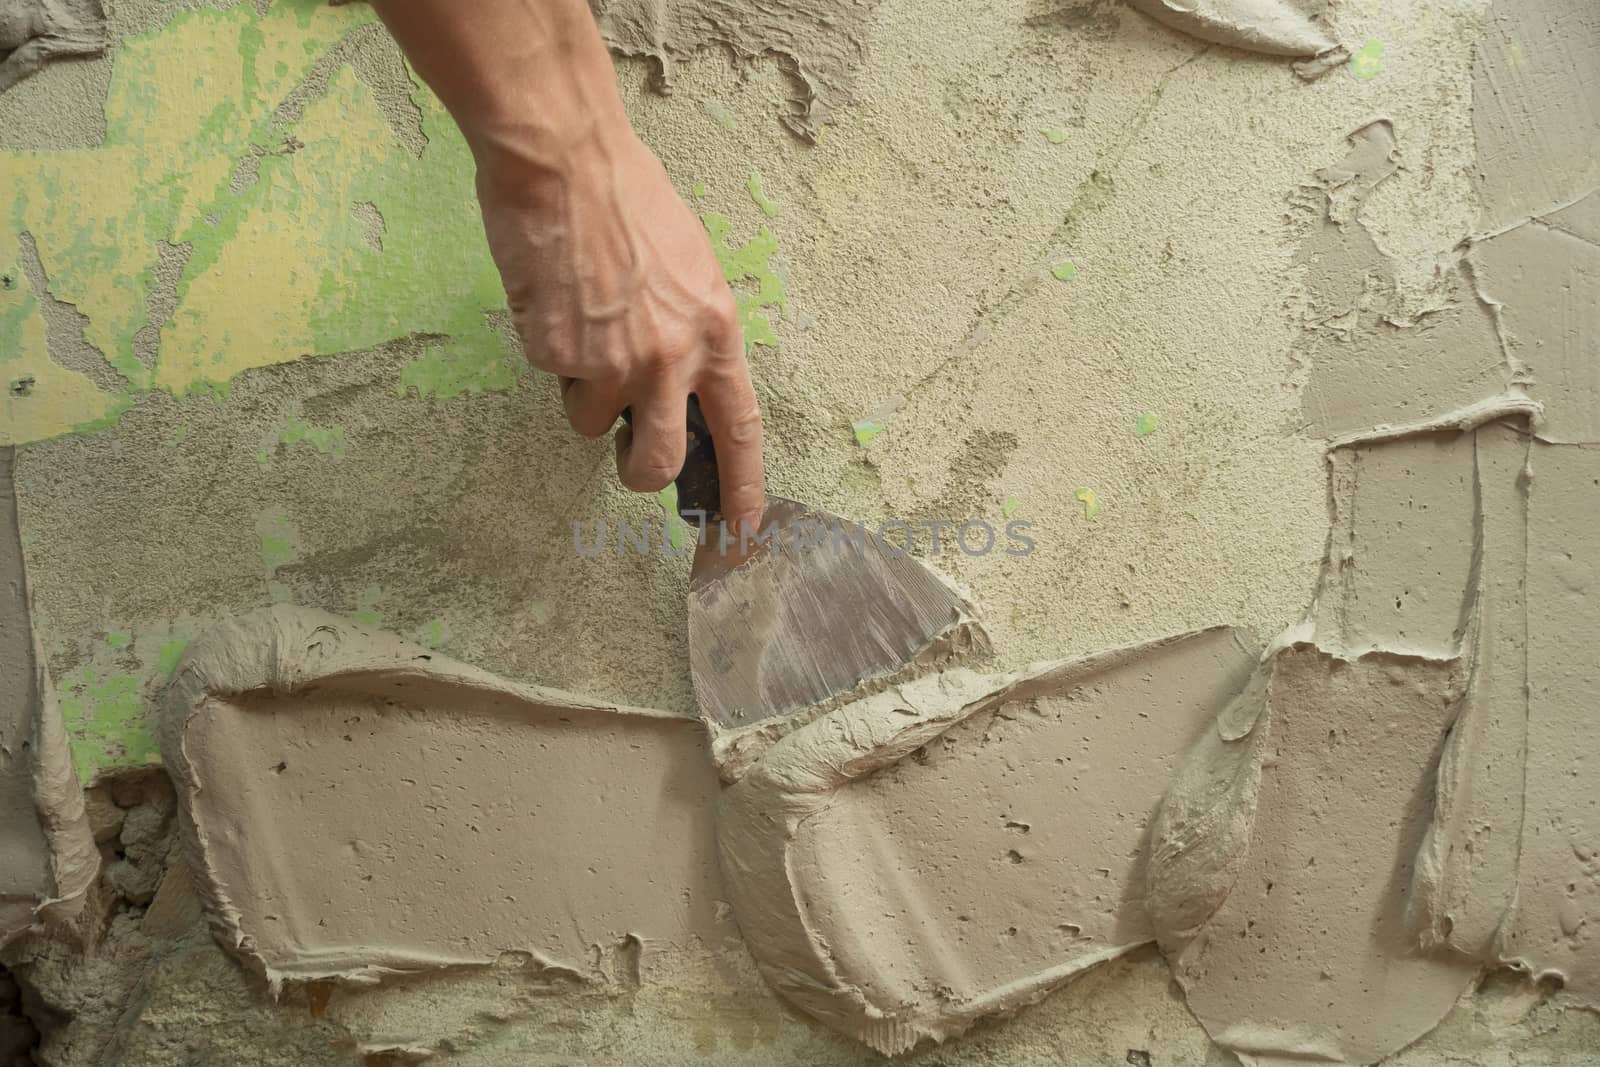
{"points": [[821, 43], [960, 845], [1432, 651], [47, 854], [1271, 27], [500, 821], [36, 32], [1280, 859], [914, 250]]}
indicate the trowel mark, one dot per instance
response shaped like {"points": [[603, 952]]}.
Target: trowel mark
{"points": [[1272, 27]]}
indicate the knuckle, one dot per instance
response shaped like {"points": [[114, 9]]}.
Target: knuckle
{"points": [[744, 429], [647, 474], [588, 424], [722, 321]]}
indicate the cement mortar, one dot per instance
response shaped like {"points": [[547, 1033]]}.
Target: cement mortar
{"points": [[916, 241]]}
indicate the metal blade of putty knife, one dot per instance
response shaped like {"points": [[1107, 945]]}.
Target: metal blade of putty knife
{"points": [[813, 608]]}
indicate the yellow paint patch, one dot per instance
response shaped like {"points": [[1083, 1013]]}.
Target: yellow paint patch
{"points": [[36, 395]]}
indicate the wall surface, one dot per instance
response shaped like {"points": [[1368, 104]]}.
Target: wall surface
{"points": [[1171, 302]]}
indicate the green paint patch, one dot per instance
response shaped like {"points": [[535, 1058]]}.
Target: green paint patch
{"points": [[866, 431], [1010, 507], [698, 189], [261, 457], [1367, 61], [750, 262], [166, 171], [104, 716], [169, 655], [768, 208], [432, 633], [277, 542], [677, 529], [327, 440], [216, 390], [1145, 423], [1091, 502], [1055, 135], [116, 640], [1064, 272], [118, 403], [449, 370], [367, 613], [718, 112]]}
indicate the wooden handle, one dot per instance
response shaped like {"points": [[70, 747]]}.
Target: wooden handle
{"points": [[699, 490]]}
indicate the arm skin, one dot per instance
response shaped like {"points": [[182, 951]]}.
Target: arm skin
{"points": [[611, 280]]}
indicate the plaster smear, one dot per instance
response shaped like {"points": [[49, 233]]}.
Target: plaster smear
{"points": [[821, 40], [1554, 931], [1273, 27], [962, 844], [353, 805], [1511, 871], [1466, 871], [1536, 108], [1401, 547], [33, 32], [47, 853], [1542, 280], [1281, 857], [1379, 358]]}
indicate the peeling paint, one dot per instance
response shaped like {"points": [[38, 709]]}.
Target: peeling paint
{"points": [[288, 230], [1367, 61], [768, 207], [751, 261], [329, 440]]}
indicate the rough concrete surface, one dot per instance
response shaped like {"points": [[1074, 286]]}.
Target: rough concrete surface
{"points": [[1048, 254]]}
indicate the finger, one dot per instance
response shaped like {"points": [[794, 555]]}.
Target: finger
{"points": [[592, 407], [650, 454], [728, 401]]}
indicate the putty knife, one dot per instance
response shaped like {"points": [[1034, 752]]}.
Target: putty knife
{"points": [[812, 608]]}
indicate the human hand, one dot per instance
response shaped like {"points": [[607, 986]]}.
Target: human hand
{"points": [[614, 288], [611, 279]]}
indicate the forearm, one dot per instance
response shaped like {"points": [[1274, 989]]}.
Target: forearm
{"points": [[528, 81]]}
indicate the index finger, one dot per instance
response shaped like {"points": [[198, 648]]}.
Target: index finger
{"points": [[728, 402]]}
